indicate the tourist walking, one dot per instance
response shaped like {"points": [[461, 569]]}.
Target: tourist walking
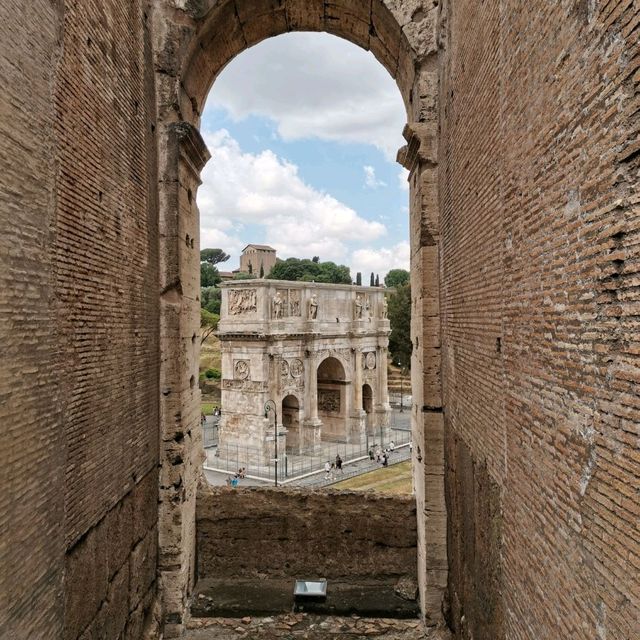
{"points": [[327, 469], [339, 463]]}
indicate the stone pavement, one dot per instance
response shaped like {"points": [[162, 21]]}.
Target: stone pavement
{"points": [[294, 626]]}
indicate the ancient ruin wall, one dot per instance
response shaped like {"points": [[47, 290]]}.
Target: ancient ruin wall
{"points": [[106, 292], [334, 534], [540, 231], [31, 474]]}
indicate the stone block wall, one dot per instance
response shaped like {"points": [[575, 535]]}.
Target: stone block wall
{"points": [[292, 532], [540, 229]]}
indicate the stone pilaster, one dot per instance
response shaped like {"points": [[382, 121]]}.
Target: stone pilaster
{"points": [[182, 156], [420, 158]]}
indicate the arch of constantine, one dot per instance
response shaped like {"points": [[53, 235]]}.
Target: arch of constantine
{"points": [[319, 351]]}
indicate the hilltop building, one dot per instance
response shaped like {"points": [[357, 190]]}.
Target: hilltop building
{"points": [[257, 257]]}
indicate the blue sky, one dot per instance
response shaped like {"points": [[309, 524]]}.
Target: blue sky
{"points": [[303, 131]]}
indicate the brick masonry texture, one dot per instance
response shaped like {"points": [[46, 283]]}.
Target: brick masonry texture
{"points": [[540, 224], [290, 532], [106, 293], [106, 258], [31, 474]]}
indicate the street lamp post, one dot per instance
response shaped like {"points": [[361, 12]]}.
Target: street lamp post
{"points": [[270, 405]]}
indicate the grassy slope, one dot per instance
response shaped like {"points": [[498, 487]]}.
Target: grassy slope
{"points": [[395, 480], [210, 358], [210, 354]]}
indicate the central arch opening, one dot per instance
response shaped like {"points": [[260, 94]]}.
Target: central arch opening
{"points": [[333, 400]]}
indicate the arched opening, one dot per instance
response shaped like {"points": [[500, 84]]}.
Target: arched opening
{"points": [[367, 407], [192, 47], [333, 400], [291, 422]]}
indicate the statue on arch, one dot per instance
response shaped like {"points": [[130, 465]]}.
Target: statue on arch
{"points": [[313, 307], [277, 306]]}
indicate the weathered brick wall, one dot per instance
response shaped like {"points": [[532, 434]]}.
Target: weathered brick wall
{"points": [[540, 228], [289, 532], [31, 474], [106, 291]]}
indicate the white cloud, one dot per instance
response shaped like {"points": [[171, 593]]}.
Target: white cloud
{"points": [[243, 188], [370, 179], [380, 261], [403, 179], [315, 86]]}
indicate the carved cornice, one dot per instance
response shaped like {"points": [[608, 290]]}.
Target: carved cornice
{"points": [[421, 147], [192, 147]]}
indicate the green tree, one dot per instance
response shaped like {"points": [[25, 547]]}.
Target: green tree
{"points": [[377, 280], [397, 277], [213, 256], [399, 311], [210, 299], [307, 270], [208, 324], [372, 281], [359, 279], [209, 275], [244, 276]]}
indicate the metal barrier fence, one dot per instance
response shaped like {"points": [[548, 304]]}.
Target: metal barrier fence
{"points": [[291, 466]]}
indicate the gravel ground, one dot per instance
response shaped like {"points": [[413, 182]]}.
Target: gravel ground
{"points": [[300, 626]]}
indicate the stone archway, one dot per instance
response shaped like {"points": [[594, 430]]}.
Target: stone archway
{"points": [[367, 407], [191, 45], [291, 422], [333, 400]]}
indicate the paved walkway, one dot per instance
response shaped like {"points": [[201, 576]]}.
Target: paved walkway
{"points": [[319, 479]]}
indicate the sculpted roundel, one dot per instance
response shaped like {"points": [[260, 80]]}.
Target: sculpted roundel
{"points": [[296, 368], [370, 360], [241, 369]]}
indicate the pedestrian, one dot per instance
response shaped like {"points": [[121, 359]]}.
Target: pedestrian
{"points": [[327, 469], [371, 456], [385, 460], [339, 463], [392, 445]]}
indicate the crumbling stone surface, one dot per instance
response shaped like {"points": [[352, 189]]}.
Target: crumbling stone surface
{"points": [[309, 627], [294, 532]]}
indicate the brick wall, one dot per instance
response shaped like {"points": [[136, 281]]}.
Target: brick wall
{"points": [[106, 292], [329, 533], [540, 229], [31, 474]]}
